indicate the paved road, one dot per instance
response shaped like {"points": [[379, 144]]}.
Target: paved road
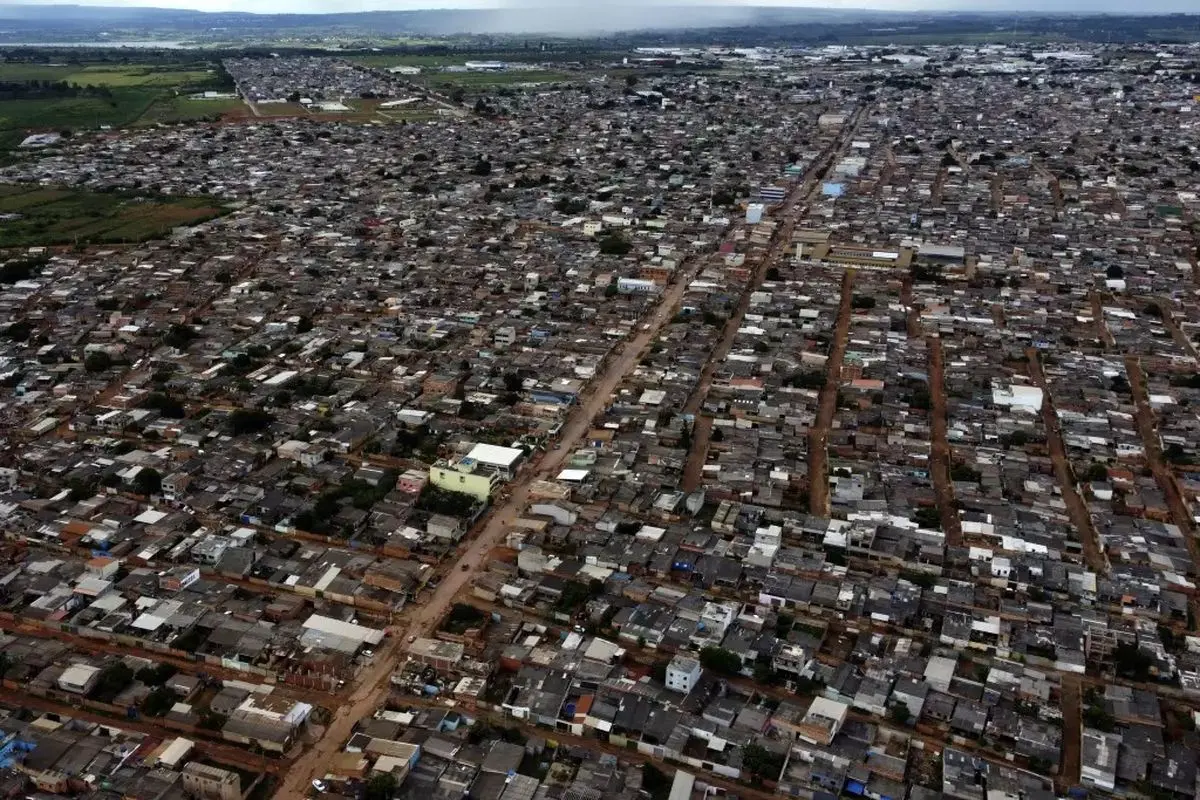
{"points": [[373, 687]]}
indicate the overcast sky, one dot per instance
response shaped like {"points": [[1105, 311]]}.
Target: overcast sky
{"points": [[597, 6]]}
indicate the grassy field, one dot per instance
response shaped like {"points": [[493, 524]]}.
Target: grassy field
{"points": [[43, 215], [183, 108], [138, 91], [73, 113], [383, 61], [142, 76], [485, 79], [112, 75]]}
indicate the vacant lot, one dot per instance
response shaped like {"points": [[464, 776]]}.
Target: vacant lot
{"points": [[41, 215], [112, 75], [485, 79], [185, 109]]}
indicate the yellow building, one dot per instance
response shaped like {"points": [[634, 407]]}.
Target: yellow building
{"points": [[465, 477]]}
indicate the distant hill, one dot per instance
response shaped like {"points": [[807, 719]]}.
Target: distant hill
{"points": [[650, 22]]}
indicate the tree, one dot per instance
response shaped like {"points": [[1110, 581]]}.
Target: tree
{"points": [[1131, 662], [721, 661], [111, 681], [97, 361], [381, 786], [1115, 272], [180, 336], [654, 780], [249, 420], [761, 763], [773, 274], [482, 167], [212, 721], [863, 302], [898, 713], [157, 675], [1095, 716], [570, 205], [614, 244], [158, 702], [763, 673], [304, 325], [148, 481], [166, 405]]}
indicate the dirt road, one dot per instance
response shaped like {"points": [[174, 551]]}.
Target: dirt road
{"points": [[818, 435], [371, 690], [228, 754], [693, 470], [791, 211], [1165, 305], [623, 754], [369, 693], [1102, 331], [1147, 425], [1071, 704], [1077, 509], [939, 460]]}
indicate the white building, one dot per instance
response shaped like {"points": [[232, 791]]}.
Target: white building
{"points": [[637, 286], [501, 460], [1021, 398], [1099, 759], [683, 673], [306, 454], [79, 678]]}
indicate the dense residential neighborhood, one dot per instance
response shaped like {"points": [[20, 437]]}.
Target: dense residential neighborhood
{"points": [[805, 423]]}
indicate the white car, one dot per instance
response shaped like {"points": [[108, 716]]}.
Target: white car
{"points": [[318, 785], [368, 653]]}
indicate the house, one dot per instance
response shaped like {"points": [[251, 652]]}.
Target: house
{"points": [[79, 678], [211, 783], [1099, 759], [683, 673], [412, 481], [464, 476], [823, 721], [306, 454], [501, 460]]}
